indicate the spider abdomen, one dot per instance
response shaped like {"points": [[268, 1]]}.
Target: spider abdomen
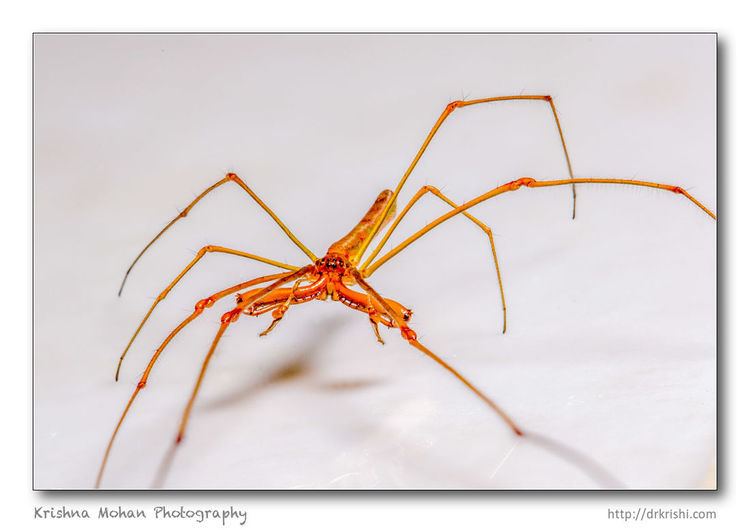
{"points": [[350, 245]]}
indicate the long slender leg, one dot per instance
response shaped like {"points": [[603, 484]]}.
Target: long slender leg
{"points": [[280, 311], [529, 183], [584, 462], [447, 112], [411, 337], [486, 229], [375, 329], [199, 307], [374, 318], [398, 320], [366, 303], [230, 177], [199, 255], [500, 412], [227, 319]]}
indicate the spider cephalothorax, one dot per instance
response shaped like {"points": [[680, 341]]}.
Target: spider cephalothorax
{"points": [[333, 265]]}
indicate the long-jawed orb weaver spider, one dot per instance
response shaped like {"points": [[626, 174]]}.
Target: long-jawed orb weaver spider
{"points": [[341, 274]]}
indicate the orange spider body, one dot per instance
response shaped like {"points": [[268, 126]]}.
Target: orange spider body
{"points": [[330, 277], [351, 246], [336, 274]]}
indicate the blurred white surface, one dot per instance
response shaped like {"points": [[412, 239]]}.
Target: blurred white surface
{"points": [[611, 345]]}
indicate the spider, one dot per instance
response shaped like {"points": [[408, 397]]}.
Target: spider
{"points": [[342, 274]]}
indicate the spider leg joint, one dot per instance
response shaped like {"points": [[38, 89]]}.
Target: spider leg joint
{"points": [[408, 334], [524, 181], [230, 316], [453, 105], [202, 304]]}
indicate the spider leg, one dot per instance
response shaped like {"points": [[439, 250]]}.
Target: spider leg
{"points": [[530, 183], [447, 112], [568, 454], [374, 319], [375, 328], [584, 462], [281, 310], [376, 312], [481, 395], [486, 229], [398, 320], [227, 319], [411, 337], [198, 256], [199, 307], [230, 177]]}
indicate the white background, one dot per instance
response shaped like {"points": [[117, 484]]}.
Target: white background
{"points": [[611, 342], [479, 507]]}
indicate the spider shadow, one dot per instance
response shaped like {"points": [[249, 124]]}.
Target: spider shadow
{"points": [[296, 368]]}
